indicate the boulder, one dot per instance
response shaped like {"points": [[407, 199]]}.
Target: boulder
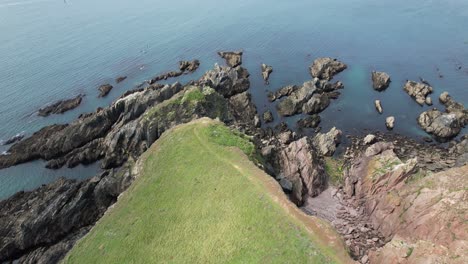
{"points": [[292, 104], [378, 106], [326, 68], [226, 80], [61, 106], [284, 91], [316, 104], [380, 81], [390, 122], [233, 58], [104, 90], [418, 91], [369, 139], [326, 143], [267, 117], [266, 71]]}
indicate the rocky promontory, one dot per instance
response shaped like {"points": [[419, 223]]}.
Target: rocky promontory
{"points": [[61, 106]]}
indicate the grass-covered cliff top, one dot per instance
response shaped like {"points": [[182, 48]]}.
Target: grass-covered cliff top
{"points": [[199, 199]]}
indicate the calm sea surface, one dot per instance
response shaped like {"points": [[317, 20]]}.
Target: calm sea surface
{"points": [[54, 49]]}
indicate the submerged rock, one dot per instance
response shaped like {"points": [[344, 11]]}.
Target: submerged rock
{"points": [[378, 106], [104, 90], [309, 122], [266, 71], [267, 117], [233, 58], [61, 106], [380, 80], [14, 139], [418, 91], [326, 143], [120, 79], [326, 68]]}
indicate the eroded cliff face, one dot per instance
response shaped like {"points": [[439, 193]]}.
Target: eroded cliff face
{"points": [[422, 218]]}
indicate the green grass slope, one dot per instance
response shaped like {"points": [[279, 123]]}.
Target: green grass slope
{"points": [[198, 199]]}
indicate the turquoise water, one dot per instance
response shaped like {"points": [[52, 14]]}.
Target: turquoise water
{"points": [[54, 49]]}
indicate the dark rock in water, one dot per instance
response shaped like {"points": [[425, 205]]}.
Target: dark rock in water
{"points": [[266, 71], [293, 103], [284, 91], [61, 106], [104, 90], [42, 225], [309, 122], [185, 67], [189, 66], [326, 143], [267, 117], [418, 91], [380, 80], [233, 58], [444, 125], [13, 139], [120, 79], [316, 104], [326, 68]]}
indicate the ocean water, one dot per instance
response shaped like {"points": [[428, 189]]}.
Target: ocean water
{"points": [[55, 49]]}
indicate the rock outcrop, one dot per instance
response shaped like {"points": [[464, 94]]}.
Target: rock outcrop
{"points": [[326, 143], [444, 125], [267, 117], [104, 90], [292, 104], [309, 122], [326, 68], [422, 218], [380, 81], [13, 139], [316, 104], [120, 79], [266, 71], [61, 106], [233, 58], [284, 91], [418, 91]]}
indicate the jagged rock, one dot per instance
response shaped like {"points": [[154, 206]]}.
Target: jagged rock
{"points": [[309, 122], [390, 122], [243, 109], [418, 91], [267, 117], [266, 71], [380, 81], [326, 68], [104, 90], [301, 166], [45, 223], [410, 213], [293, 103], [284, 91], [378, 106], [369, 139], [233, 58], [226, 81], [189, 66], [185, 67], [120, 79], [441, 125], [14, 139], [326, 143], [452, 106], [61, 106], [316, 104]]}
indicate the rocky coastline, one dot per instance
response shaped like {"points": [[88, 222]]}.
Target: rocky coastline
{"points": [[41, 226]]}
